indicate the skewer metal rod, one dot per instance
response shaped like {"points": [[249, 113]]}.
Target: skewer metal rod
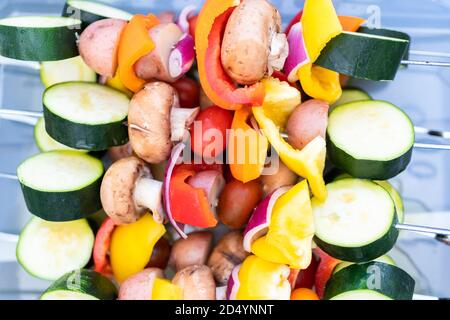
{"points": [[8, 237], [434, 133], [21, 113], [431, 146], [19, 63], [440, 234], [426, 63], [8, 176]]}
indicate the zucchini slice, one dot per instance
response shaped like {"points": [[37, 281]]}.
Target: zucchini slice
{"points": [[48, 250], [357, 221], [72, 69], [354, 281], [391, 34], [361, 295], [364, 56], [84, 115], [81, 285], [344, 264], [45, 142], [39, 38], [370, 139], [352, 95], [398, 202], [61, 185], [91, 11]]}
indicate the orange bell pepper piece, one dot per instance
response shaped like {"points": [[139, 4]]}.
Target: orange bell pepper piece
{"points": [[350, 24], [189, 205], [218, 86], [247, 148], [135, 43]]}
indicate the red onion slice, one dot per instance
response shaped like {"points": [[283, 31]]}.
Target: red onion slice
{"points": [[233, 283], [259, 221], [182, 56], [176, 154], [183, 18], [298, 55], [212, 182]]}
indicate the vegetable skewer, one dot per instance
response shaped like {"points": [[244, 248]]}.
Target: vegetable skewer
{"points": [[440, 234]]}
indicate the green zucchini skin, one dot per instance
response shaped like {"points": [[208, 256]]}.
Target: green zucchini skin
{"points": [[363, 57], [391, 34], [86, 17], [86, 137], [367, 169], [38, 44], [87, 282], [365, 253], [394, 283], [64, 206]]}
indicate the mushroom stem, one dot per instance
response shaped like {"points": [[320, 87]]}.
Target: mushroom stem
{"points": [[148, 194], [180, 120], [279, 51]]}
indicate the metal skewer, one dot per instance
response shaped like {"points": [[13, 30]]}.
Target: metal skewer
{"points": [[426, 63]]}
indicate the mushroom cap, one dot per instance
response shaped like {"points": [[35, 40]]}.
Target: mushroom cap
{"points": [[149, 121], [117, 190]]}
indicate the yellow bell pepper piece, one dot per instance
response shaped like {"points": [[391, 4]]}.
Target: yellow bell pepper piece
{"points": [[280, 100], [268, 252], [163, 289], [320, 24], [292, 226], [132, 246], [117, 84], [247, 150], [308, 163], [263, 280]]}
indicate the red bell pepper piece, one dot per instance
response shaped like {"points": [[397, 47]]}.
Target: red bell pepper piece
{"points": [[101, 247], [189, 205], [324, 271], [218, 86], [306, 277]]}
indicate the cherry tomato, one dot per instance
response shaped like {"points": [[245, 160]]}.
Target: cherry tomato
{"points": [[160, 254], [304, 294], [210, 124], [188, 92], [237, 201]]}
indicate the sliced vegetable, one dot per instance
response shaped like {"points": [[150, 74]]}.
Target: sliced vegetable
{"points": [[217, 85], [188, 92], [91, 11], [292, 227], [247, 150], [233, 283], [165, 290], [385, 259], [174, 158], [350, 23], [48, 250], [61, 185], [324, 270], [183, 19], [359, 55], [39, 38], [308, 162], [386, 279], [45, 142], [72, 69], [260, 219], [390, 34], [352, 95], [357, 221], [370, 139], [135, 43], [101, 247], [86, 115], [298, 55], [141, 237], [182, 56], [260, 280], [81, 285], [320, 24]]}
